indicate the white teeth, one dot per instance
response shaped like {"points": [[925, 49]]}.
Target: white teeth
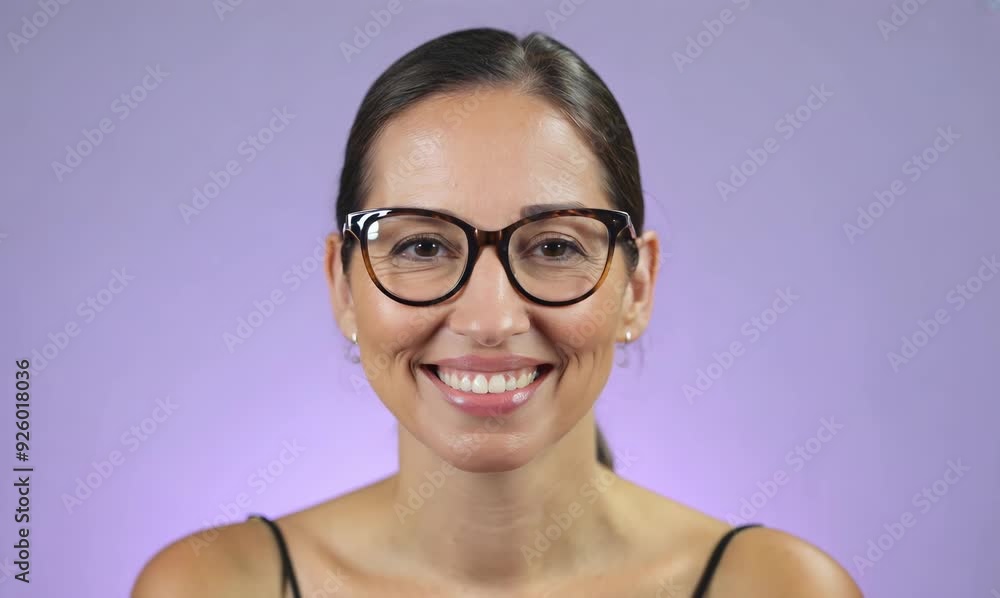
{"points": [[497, 383], [488, 382]]}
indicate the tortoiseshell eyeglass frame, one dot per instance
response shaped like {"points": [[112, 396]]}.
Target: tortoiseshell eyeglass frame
{"points": [[617, 222]]}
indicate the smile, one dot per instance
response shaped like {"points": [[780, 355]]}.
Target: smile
{"points": [[487, 382], [485, 393]]}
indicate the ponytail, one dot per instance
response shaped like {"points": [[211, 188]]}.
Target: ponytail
{"points": [[603, 452]]}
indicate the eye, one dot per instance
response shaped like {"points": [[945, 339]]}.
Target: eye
{"points": [[556, 249], [425, 248], [421, 248]]}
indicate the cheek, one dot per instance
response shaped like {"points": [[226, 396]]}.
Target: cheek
{"points": [[590, 327], [390, 334]]}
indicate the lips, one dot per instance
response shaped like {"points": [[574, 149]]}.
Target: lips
{"points": [[482, 386]]}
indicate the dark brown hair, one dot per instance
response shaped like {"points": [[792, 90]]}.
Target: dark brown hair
{"points": [[536, 65]]}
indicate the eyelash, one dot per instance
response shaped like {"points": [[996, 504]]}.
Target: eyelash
{"points": [[411, 241], [572, 245]]}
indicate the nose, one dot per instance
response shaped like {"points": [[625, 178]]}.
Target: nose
{"points": [[489, 310]]}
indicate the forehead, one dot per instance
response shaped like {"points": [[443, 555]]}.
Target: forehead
{"points": [[483, 154]]}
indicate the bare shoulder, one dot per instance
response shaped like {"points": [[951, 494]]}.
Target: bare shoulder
{"points": [[242, 559], [757, 562], [233, 560], [769, 562]]}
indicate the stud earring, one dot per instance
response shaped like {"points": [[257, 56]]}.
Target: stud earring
{"points": [[628, 336], [354, 337]]}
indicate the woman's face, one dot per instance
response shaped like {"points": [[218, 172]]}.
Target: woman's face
{"points": [[486, 156]]}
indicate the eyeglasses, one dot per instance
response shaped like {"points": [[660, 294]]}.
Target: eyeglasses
{"points": [[421, 257]]}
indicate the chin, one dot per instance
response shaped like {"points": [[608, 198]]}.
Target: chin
{"points": [[486, 452]]}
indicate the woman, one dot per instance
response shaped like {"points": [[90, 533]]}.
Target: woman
{"points": [[491, 255]]}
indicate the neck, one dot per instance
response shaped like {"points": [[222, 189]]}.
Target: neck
{"points": [[545, 519]]}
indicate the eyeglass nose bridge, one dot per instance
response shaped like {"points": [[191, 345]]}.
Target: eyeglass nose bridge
{"points": [[485, 238], [481, 239]]}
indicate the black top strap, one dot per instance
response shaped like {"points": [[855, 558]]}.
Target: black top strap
{"points": [[287, 573], [713, 561]]}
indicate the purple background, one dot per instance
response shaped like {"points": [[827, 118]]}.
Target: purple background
{"points": [[825, 357]]}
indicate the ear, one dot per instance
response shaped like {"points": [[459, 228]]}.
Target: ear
{"points": [[340, 289], [638, 300]]}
